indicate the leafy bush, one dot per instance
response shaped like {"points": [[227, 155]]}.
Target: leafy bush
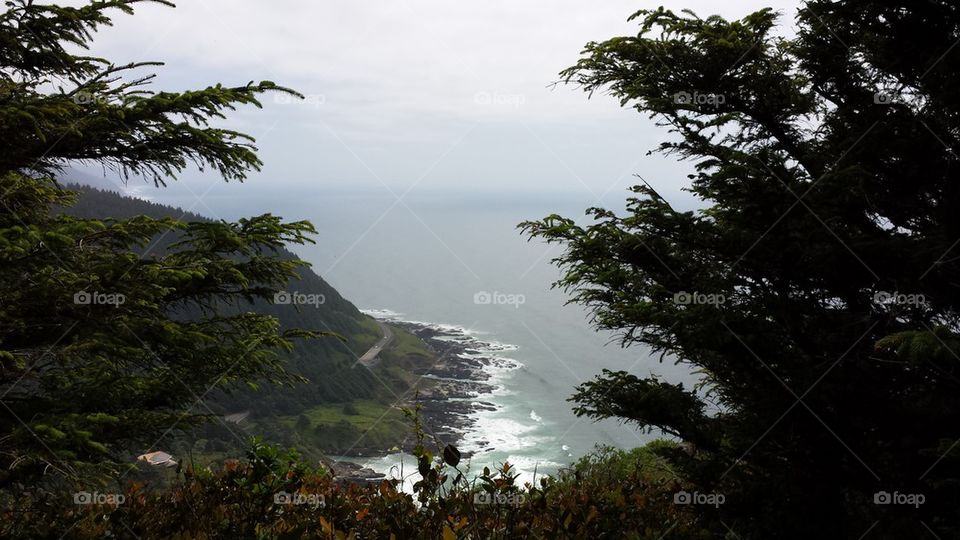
{"points": [[274, 494]]}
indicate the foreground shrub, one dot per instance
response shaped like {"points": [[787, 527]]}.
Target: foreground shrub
{"points": [[272, 494]]}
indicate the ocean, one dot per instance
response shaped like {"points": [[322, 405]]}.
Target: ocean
{"points": [[458, 261]]}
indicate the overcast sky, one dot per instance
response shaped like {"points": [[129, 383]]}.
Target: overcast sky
{"points": [[415, 95]]}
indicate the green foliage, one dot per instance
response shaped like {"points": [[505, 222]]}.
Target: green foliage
{"points": [[326, 364], [97, 354], [104, 350], [827, 166], [609, 465], [100, 116], [271, 494]]}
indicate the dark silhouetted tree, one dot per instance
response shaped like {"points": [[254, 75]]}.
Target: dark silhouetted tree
{"points": [[817, 290]]}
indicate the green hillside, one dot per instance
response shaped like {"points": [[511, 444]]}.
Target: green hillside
{"points": [[338, 408]]}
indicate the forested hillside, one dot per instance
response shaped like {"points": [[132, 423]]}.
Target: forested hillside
{"points": [[327, 365]]}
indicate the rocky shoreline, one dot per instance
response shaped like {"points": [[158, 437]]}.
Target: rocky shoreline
{"points": [[459, 376], [459, 381]]}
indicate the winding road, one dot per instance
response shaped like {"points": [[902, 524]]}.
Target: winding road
{"points": [[372, 356], [369, 359]]}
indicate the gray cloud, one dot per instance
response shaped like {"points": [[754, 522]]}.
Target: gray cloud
{"points": [[426, 94]]}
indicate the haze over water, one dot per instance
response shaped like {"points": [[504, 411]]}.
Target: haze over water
{"points": [[442, 100], [474, 113], [428, 259], [424, 259]]}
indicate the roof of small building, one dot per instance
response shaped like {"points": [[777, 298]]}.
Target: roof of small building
{"points": [[158, 458]]}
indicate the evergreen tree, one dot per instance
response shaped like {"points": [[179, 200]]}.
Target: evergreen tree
{"points": [[103, 351], [816, 292]]}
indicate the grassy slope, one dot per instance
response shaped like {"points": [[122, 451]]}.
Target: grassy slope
{"points": [[365, 425]]}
